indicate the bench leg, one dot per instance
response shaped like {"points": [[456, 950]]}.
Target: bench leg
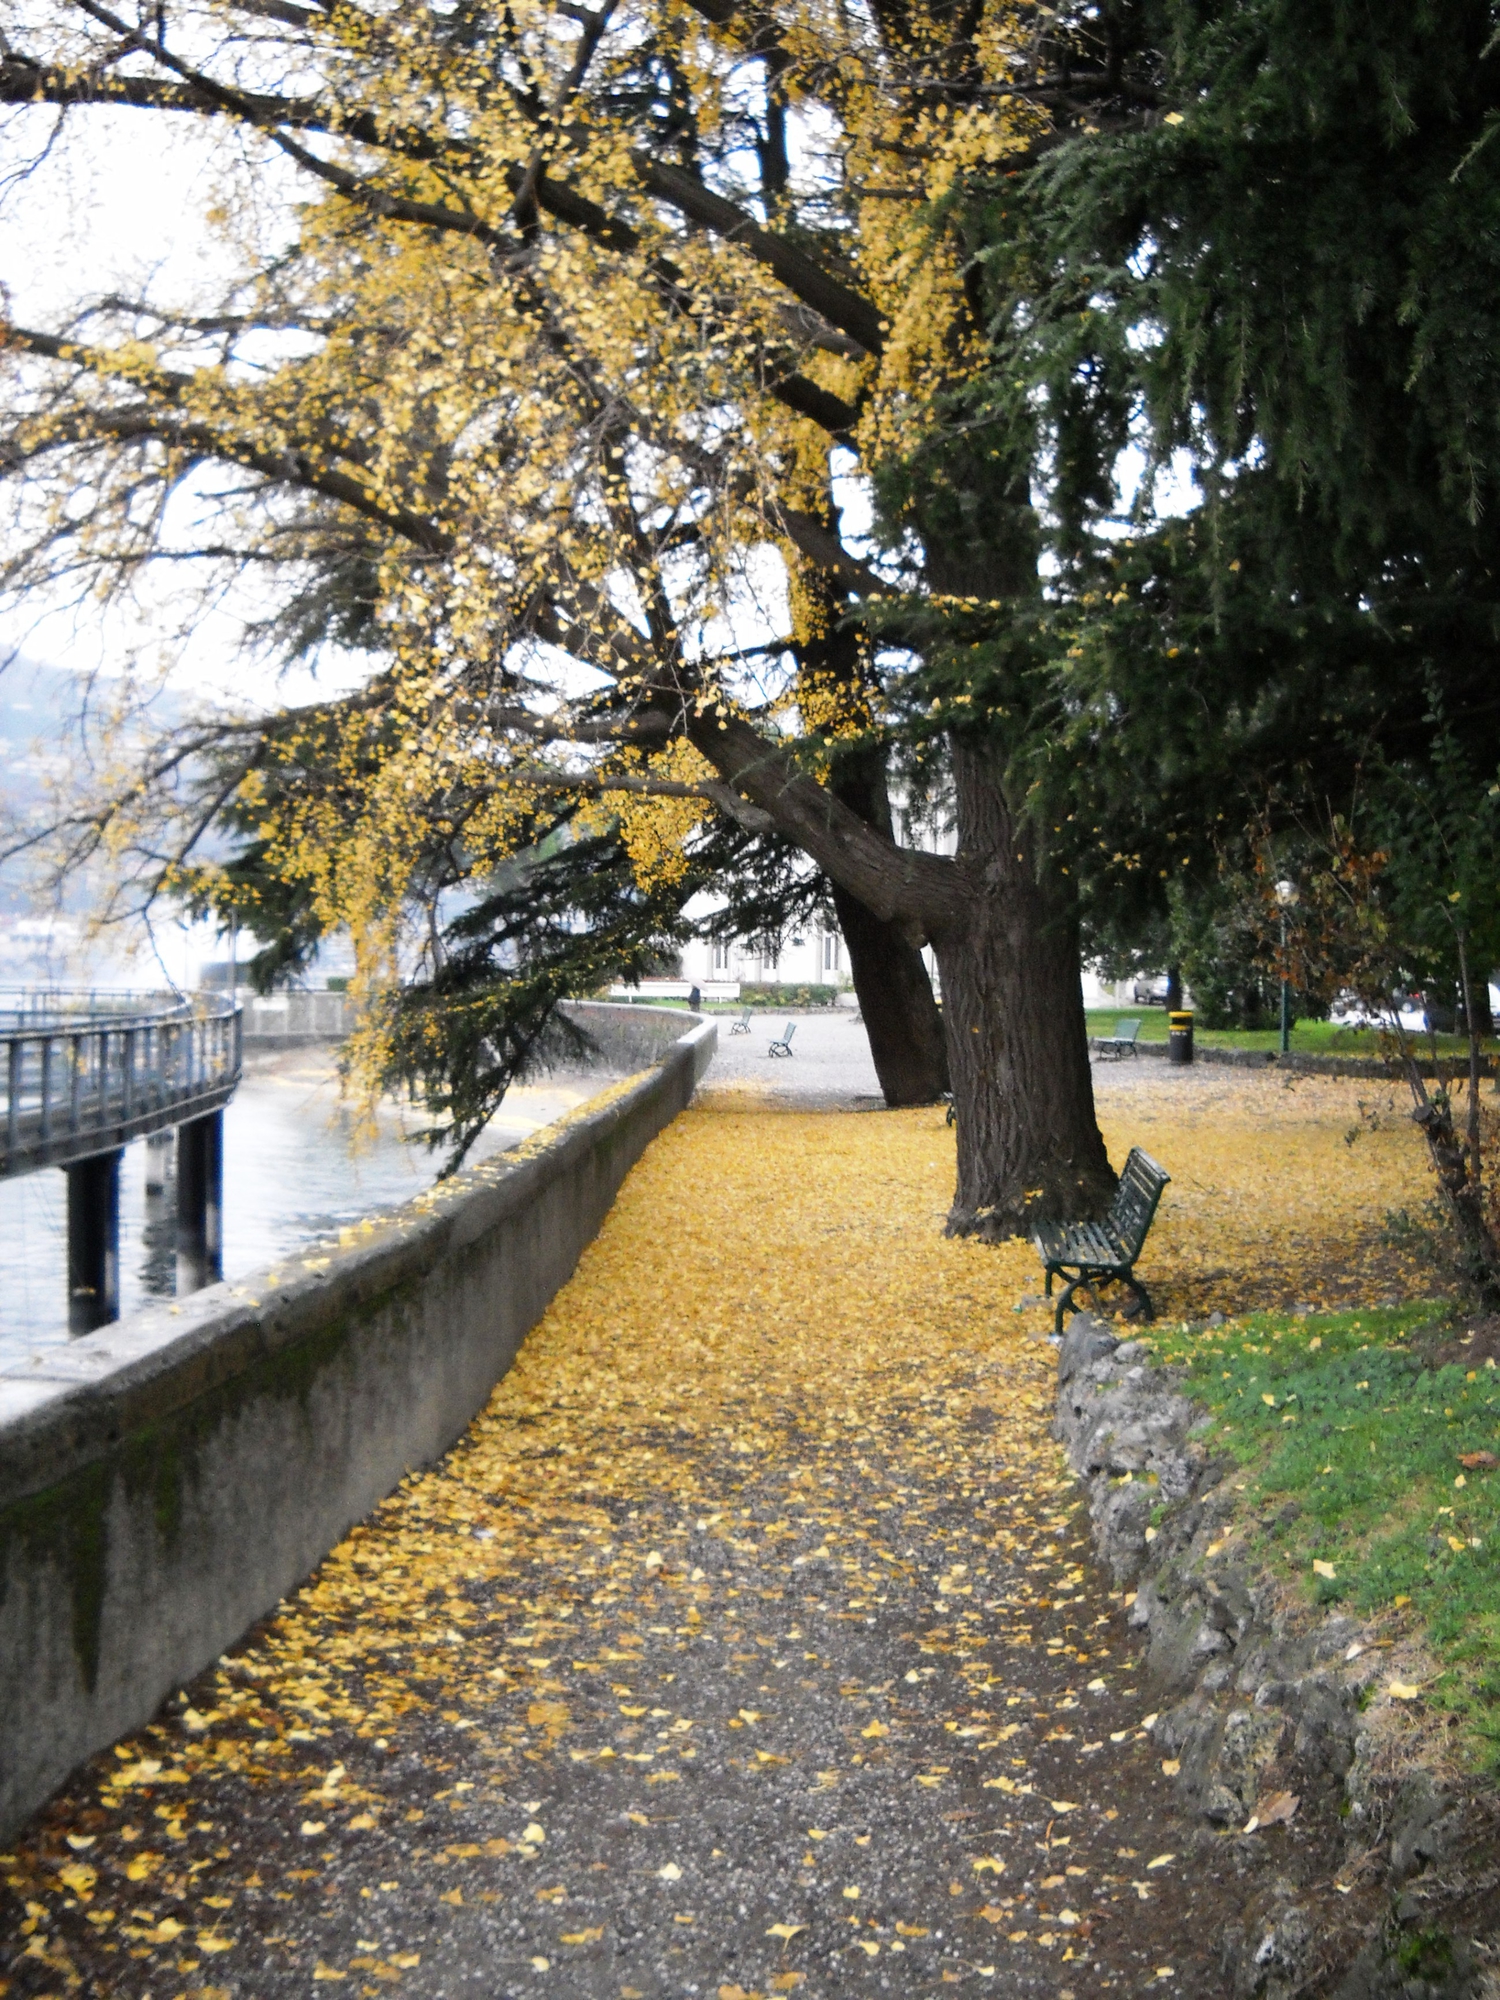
{"points": [[1063, 1305], [1148, 1311], [1051, 1274]]}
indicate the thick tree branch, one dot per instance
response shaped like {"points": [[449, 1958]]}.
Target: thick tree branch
{"points": [[148, 423], [800, 274], [651, 727], [818, 542], [923, 893]]}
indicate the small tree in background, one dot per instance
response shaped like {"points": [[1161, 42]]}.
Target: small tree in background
{"points": [[1413, 900]]}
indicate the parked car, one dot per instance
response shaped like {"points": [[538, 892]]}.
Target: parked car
{"points": [[1150, 990]]}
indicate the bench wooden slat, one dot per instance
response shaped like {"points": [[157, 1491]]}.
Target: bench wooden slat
{"points": [[1106, 1250]]}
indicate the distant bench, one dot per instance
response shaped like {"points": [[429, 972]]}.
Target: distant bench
{"points": [[1121, 1043], [1104, 1253]]}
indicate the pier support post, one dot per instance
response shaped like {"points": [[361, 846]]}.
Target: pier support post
{"points": [[158, 1170], [94, 1241], [159, 1235], [200, 1202]]}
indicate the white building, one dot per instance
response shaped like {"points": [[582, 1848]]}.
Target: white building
{"points": [[720, 967]]}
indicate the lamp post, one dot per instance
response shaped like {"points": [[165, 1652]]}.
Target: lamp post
{"points": [[1286, 896]]}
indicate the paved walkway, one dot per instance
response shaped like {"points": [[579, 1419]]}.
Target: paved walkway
{"points": [[829, 1065], [747, 1645]]}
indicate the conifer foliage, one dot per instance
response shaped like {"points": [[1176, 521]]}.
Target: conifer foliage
{"points": [[1280, 274]]}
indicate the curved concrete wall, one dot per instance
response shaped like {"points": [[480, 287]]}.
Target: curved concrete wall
{"points": [[165, 1482]]}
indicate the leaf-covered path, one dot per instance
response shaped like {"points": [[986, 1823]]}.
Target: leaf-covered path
{"points": [[746, 1645]]}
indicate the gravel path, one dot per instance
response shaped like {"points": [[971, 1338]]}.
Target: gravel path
{"points": [[747, 1645]]}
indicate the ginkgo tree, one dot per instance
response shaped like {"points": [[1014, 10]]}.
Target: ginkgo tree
{"points": [[550, 329]]}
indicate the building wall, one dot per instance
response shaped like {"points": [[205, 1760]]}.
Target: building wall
{"points": [[814, 957]]}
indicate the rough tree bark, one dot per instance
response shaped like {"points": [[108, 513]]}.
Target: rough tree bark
{"points": [[903, 1020], [1029, 1147]]}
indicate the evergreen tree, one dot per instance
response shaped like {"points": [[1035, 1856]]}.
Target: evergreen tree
{"points": [[1266, 250]]}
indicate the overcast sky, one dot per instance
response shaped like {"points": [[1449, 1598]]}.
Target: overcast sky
{"points": [[117, 205]]}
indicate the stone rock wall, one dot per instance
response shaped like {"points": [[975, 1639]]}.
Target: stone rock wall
{"points": [[1264, 1697]]}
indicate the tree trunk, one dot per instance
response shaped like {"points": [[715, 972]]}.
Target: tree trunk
{"points": [[902, 1019], [901, 1016], [1174, 987], [1484, 1013], [1029, 1147]]}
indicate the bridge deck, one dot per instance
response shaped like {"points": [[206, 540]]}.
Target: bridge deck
{"points": [[84, 1074]]}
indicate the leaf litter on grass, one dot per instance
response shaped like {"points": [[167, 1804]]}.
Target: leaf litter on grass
{"points": [[774, 1407]]}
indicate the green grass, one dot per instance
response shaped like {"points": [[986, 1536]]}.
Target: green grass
{"points": [[1338, 1413], [1309, 1038]]}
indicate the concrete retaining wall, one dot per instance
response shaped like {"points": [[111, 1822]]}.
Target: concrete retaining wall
{"points": [[165, 1482], [286, 1020]]}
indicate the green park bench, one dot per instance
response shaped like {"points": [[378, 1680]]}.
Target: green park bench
{"points": [[783, 1046], [1103, 1253], [742, 1025], [1121, 1043]]}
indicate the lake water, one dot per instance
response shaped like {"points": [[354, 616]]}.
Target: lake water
{"points": [[295, 1169]]}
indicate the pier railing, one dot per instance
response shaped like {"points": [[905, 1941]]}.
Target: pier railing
{"points": [[81, 1073]]}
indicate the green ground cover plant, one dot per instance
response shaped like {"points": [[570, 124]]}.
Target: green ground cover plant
{"points": [[1371, 1464], [1309, 1038]]}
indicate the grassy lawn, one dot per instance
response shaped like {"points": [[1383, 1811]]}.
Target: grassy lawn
{"points": [[1310, 1038], [1362, 1420]]}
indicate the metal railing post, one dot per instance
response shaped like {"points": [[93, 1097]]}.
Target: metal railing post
{"points": [[13, 1102], [75, 1082]]}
